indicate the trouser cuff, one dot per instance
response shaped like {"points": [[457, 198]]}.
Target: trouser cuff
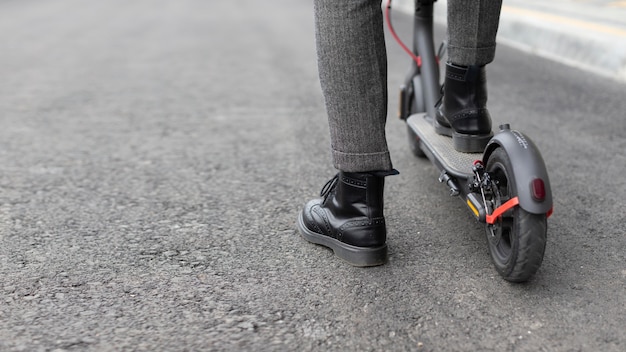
{"points": [[471, 56], [361, 162]]}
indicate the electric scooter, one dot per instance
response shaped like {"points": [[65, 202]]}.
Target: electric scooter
{"points": [[506, 187]]}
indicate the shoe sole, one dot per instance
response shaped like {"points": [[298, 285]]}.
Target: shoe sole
{"points": [[469, 143], [356, 256], [465, 143]]}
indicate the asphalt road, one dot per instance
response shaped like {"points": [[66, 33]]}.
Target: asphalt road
{"points": [[154, 157]]}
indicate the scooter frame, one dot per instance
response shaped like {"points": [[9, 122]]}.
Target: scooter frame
{"points": [[465, 173]]}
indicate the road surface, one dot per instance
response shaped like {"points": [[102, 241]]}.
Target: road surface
{"points": [[154, 156]]}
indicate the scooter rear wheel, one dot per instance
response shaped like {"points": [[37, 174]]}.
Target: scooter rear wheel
{"points": [[517, 240]]}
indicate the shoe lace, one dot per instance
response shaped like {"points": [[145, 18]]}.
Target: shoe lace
{"points": [[329, 186]]}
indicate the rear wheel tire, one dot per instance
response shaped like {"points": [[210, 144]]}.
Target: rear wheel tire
{"points": [[517, 240]]}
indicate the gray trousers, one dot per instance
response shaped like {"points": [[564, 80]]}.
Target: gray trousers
{"points": [[352, 64]]}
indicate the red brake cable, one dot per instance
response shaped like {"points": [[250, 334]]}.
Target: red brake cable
{"points": [[417, 59]]}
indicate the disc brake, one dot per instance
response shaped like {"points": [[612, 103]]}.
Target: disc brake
{"points": [[495, 204]]}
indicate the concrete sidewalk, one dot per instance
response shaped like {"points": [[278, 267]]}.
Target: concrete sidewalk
{"points": [[588, 34]]}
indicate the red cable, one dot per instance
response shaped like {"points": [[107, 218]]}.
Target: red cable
{"points": [[417, 59], [491, 219]]}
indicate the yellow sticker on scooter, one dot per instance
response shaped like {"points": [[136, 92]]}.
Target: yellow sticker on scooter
{"points": [[473, 208]]}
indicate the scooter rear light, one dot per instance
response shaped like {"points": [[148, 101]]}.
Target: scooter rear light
{"points": [[538, 189]]}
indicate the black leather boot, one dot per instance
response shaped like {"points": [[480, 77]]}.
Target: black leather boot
{"points": [[348, 218], [462, 112]]}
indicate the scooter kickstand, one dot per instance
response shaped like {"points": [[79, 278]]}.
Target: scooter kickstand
{"points": [[454, 189]]}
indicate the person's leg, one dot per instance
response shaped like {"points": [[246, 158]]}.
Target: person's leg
{"points": [[353, 74], [462, 113], [348, 218], [472, 28]]}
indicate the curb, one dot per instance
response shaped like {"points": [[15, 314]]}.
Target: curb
{"points": [[594, 46]]}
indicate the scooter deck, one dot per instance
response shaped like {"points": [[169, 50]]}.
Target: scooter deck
{"points": [[441, 148]]}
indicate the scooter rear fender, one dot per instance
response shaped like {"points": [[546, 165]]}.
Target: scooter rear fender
{"points": [[528, 166]]}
